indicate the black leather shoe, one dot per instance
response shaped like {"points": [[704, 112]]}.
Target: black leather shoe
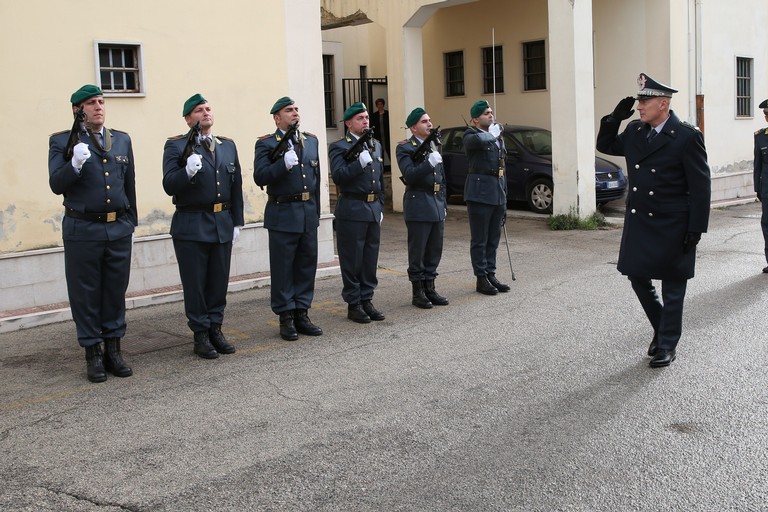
{"points": [[653, 346], [218, 340], [662, 358], [419, 299], [765, 270], [287, 328], [356, 314], [203, 347], [304, 325], [113, 359], [434, 297], [372, 312], [485, 287], [94, 360], [504, 288]]}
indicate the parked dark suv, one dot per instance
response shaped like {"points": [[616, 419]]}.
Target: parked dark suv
{"points": [[529, 167]]}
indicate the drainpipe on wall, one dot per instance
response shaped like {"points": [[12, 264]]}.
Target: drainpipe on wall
{"points": [[699, 85]]}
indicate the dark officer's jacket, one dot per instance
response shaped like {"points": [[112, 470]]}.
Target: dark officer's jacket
{"points": [[761, 160], [218, 182], [351, 178], [485, 158], [424, 198], [107, 183], [283, 211], [668, 196]]}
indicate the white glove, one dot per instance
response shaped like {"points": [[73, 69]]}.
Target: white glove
{"points": [[80, 153], [381, 219], [194, 164], [235, 235], [364, 158], [290, 158], [495, 130], [435, 158]]}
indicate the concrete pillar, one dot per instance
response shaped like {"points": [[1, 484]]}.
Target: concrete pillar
{"points": [[572, 99]]}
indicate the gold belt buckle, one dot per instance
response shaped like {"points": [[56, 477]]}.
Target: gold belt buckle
{"points": [[437, 187], [501, 172], [111, 216], [217, 207], [370, 198], [305, 196]]}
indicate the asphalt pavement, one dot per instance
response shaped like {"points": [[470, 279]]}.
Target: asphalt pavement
{"points": [[540, 399]]}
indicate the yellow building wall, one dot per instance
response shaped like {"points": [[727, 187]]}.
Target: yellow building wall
{"points": [[234, 56]]}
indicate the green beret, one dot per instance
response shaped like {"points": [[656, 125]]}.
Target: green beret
{"points": [[478, 108], [85, 92], [353, 110], [280, 104], [414, 116], [191, 103]]}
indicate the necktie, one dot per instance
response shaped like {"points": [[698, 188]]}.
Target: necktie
{"points": [[651, 134], [206, 143]]}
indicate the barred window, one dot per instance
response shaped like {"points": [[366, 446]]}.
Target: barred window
{"points": [[454, 73], [328, 91], [743, 87], [493, 55], [534, 66], [119, 68]]}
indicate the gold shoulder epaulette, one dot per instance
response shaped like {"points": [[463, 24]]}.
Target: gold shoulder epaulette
{"points": [[266, 136]]}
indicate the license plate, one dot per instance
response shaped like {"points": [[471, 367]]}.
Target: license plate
{"points": [[612, 184]]}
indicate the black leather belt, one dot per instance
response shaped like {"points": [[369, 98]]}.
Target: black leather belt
{"points": [[368, 198], [497, 174], [94, 216], [292, 198], [212, 208]]}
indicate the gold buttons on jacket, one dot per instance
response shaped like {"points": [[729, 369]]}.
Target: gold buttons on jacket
{"points": [[634, 189], [106, 173], [633, 210], [107, 187], [650, 193], [104, 161], [637, 166], [109, 201]]}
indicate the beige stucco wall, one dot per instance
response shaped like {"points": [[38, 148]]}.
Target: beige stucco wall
{"points": [[236, 57]]}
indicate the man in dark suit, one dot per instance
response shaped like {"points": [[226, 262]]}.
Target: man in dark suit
{"points": [[380, 123], [207, 189], [485, 192], [423, 209], [667, 206], [359, 212], [97, 179], [292, 216], [761, 176]]}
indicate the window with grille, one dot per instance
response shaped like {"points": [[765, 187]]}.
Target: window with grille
{"points": [[119, 68], [534, 66], [328, 91], [493, 66], [454, 73], [743, 87]]}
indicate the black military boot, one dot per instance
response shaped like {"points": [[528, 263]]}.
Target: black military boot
{"points": [[504, 288], [218, 340], [287, 328], [485, 287], [304, 325], [419, 299], [371, 311], [94, 360], [203, 347], [113, 359], [356, 314], [434, 297]]}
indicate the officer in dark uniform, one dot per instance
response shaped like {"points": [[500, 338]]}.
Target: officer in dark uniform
{"points": [[667, 206], [424, 209], [292, 216], [207, 189], [97, 180], [485, 193], [359, 213], [761, 175]]}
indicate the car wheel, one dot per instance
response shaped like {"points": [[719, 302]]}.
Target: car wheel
{"points": [[539, 195]]}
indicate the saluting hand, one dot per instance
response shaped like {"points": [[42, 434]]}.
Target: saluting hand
{"points": [[495, 130], [80, 153], [624, 109]]}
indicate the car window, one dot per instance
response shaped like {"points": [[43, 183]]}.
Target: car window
{"points": [[538, 142], [454, 141]]}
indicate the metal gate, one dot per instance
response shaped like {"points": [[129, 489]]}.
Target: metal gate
{"points": [[359, 89]]}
